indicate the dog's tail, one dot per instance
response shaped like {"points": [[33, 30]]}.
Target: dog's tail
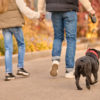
{"points": [[79, 66]]}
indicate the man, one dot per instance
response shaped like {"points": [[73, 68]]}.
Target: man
{"points": [[64, 16]]}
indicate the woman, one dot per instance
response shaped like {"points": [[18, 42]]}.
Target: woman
{"points": [[11, 21]]}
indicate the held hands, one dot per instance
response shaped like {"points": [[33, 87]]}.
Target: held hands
{"points": [[42, 16]]}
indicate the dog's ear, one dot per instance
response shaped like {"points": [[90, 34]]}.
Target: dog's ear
{"points": [[94, 50]]}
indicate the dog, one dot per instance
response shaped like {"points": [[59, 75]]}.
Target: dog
{"points": [[86, 66]]}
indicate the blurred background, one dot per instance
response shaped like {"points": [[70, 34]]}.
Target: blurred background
{"points": [[39, 35]]}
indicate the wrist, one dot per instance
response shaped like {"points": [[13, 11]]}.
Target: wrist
{"points": [[91, 11]]}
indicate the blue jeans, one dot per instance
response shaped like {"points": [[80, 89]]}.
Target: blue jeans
{"points": [[7, 33], [67, 21]]}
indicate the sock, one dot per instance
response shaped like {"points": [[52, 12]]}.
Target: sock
{"points": [[55, 62], [70, 69]]}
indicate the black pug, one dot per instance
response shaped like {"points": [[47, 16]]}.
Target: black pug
{"points": [[86, 66]]}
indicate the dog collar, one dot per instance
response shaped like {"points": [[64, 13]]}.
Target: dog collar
{"points": [[92, 51]]}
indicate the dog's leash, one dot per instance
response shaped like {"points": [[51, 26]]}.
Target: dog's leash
{"points": [[94, 20]]}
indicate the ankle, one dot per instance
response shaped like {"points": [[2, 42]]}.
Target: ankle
{"points": [[68, 70], [8, 73]]}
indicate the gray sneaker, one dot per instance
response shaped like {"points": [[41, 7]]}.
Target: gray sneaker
{"points": [[22, 72], [9, 76]]}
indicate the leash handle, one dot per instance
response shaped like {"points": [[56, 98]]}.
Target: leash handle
{"points": [[93, 18]]}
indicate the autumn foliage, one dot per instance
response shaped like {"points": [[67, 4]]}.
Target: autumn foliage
{"points": [[85, 26], [39, 35]]}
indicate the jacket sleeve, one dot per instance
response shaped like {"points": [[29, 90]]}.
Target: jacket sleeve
{"points": [[26, 10], [86, 4], [42, 6]]}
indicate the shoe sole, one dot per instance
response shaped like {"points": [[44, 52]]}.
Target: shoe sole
{"points": [[10, 79], [67, 77], [22, 74], [54, 69]]}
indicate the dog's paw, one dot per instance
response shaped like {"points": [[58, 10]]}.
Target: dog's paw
{"points": [[88, 87], [80, 88], [92, 83]]}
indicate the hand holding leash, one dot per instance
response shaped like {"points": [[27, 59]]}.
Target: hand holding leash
{"points": [[93, 18]]}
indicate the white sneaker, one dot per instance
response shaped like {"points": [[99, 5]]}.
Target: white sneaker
{"points": [[70, 75], [54, 70]]}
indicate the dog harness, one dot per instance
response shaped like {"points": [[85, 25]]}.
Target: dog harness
{"points": [[92, 51]]}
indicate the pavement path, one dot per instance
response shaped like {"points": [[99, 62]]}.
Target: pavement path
{"points": [[40, 86]]}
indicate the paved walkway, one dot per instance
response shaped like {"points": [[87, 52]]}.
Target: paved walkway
{"points": [[40, 86]]}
